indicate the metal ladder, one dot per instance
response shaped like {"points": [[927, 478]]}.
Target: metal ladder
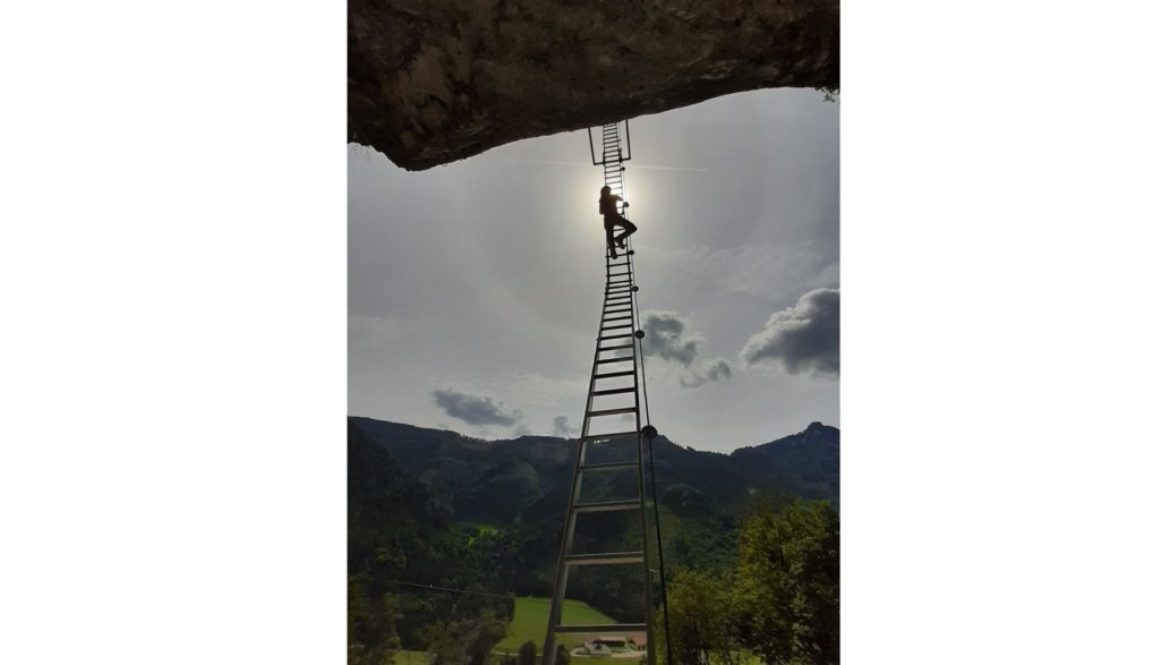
{"points": [[614, 377]]}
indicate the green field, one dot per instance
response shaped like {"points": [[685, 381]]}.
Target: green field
{"points": [[531, 623], [410, 658]]}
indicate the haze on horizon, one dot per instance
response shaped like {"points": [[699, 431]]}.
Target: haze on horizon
{"points": [[475, 288]]}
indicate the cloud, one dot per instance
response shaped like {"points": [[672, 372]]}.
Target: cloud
{"points": [[475, 410], [769, 271], [664, 336], [561, 428], [803, 338], [718, 369]]}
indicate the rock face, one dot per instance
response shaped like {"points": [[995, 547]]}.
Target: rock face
{"points": [[432, 82]]}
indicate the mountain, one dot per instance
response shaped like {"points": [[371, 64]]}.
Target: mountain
{"points": [[435, 507], [499, 481]]}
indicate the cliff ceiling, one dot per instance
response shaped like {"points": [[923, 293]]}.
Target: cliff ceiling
{"points": [[433, 82]]}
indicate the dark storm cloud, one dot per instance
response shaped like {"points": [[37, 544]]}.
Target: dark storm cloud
{"points": [[474, 410], [802, 338], [664, 336], [561, 428], [718, 369]]}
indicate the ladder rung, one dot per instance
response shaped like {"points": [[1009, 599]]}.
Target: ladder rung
{"points": [[608, 466], [610, 435], [619, 325], [617, 311], [602, 628], [618, 318], [613, 348], [614, 391], [612, 374], [625, 359], [609, 559], [601, 339], [612, 412], [606, 506], [618, 274]]}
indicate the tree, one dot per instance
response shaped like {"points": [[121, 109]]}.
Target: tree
{"points": [[371, 635], [469, 640], [701, 618], [486, 632], [788, 584], [528, 653]]}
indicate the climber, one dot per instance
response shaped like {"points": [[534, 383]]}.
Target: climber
{"points": [[613, 218]]}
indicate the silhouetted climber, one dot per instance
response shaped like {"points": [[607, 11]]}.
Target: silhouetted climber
{"points": [[613, 218]]}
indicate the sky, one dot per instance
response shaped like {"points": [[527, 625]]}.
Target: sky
{"points": [[475, 288]]}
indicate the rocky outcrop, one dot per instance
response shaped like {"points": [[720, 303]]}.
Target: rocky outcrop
{"points": [[432, 82]]}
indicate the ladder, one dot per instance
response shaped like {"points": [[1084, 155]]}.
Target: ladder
{"points": [[613, 396], [613, 153]]}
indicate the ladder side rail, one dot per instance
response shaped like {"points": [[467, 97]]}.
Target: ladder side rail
{"points": [[627, 142], [559, 588], [642, 492]]}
